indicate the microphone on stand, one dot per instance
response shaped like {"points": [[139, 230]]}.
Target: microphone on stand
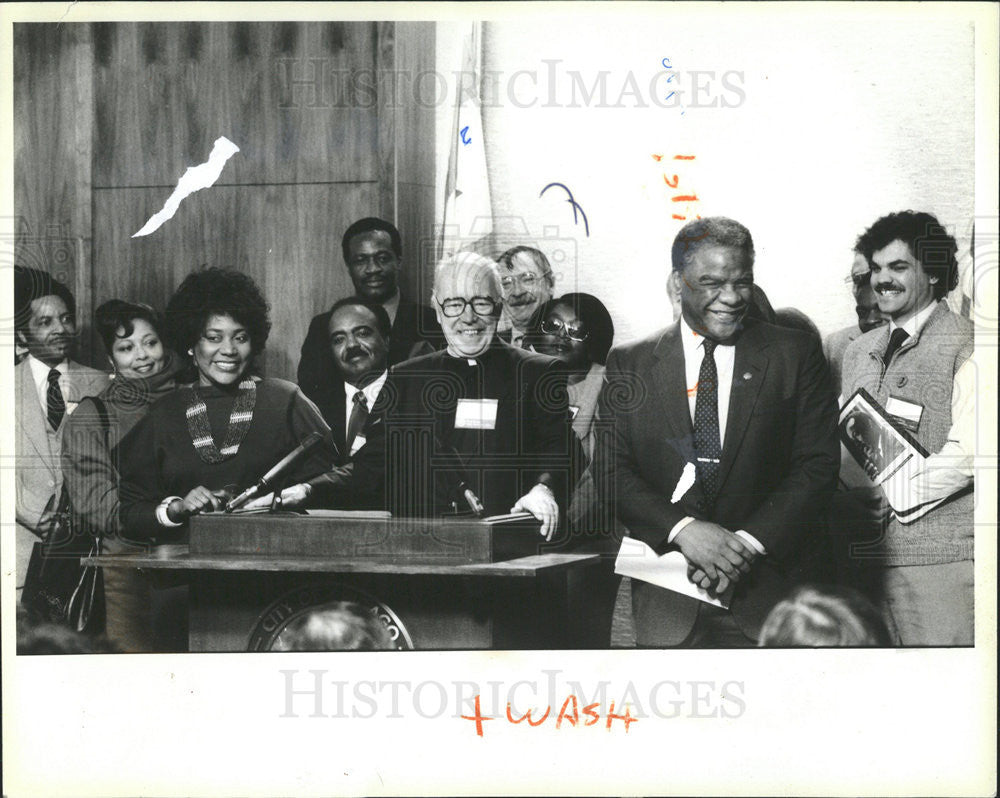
{"points": [[461, 478], [266, 482]]}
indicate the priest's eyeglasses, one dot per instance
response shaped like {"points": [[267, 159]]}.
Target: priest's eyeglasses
{"points": [[481, 306]]}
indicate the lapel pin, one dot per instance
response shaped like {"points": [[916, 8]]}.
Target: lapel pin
{"points": [[747, 375]]}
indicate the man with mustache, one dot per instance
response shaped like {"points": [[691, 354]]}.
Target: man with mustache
{"points": [[359, 345], [722, 445], [918, 368], [869, 317], [372, 251], [527, 282], [48, 385], [481, 415]]}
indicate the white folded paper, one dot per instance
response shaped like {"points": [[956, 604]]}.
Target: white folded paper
{"points": [[639, 561]]}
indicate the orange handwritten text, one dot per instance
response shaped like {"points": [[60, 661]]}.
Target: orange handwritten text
{"points": [[687, 196], [570, 713]]}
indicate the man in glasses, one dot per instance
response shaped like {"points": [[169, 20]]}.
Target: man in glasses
{"points": [[869, 317], [527, 282], [480, 416], [372, 251], [723, 447]]}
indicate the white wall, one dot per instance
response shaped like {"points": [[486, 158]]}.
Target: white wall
{"points": [[849, 113]]}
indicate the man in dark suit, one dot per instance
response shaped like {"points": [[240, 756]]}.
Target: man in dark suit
{"points": [[359, 343], [48, 385], [481, 415], [372, 251], [723, 445]]}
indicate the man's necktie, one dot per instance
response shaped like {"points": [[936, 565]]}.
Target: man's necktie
{"points": [[359, 414], [55, 405], [707, 444], [895, 341]]}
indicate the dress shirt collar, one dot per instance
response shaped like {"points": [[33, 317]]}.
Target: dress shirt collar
{"points": [[916, 322], [371, 390], [692, 341], [40, 374]]}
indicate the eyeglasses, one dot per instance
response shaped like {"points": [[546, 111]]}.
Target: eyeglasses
{"points": [[574, 332], [481, 306], [526, 280]]}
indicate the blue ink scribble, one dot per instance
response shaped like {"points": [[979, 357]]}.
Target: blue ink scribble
{"points": [[666, 63], [465, 131], [571, 201], [669, 95]]}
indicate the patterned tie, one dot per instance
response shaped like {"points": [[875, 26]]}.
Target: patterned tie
{"points": [[708, 447], [895, 341], [359, 414], [55, 405]]}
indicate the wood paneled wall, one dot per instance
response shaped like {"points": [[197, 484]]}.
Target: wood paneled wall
{"points": [[109, 116]]}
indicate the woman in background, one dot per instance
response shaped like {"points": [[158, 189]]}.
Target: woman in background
{"points": [[578, 330], [144, 371], [219, 435]]}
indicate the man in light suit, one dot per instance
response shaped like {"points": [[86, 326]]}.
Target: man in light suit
{"points": [[48, 385], [723, 445]]}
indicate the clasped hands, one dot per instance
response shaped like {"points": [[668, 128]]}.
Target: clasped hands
{"points": [[717, 558]]}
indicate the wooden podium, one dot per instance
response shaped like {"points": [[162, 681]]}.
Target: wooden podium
{"points": [[449, 583]]}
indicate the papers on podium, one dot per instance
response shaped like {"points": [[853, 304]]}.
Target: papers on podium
{"points": [[639, 561]]}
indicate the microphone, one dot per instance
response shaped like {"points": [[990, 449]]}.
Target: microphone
{"points": [[265, 482], [462, 488]]}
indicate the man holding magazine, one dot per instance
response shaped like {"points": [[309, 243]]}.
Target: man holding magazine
{"points": [[918, 370]]}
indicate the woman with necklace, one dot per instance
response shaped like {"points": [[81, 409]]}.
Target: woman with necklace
{"points": [[144, 371], [212, 438]]}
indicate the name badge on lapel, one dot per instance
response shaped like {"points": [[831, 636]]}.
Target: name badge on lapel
{"points": [[906, 414], [476, 414]]}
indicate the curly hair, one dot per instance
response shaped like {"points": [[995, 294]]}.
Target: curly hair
{"points": [[117, 314], [595, 317], [216, 292], [929, 242]]}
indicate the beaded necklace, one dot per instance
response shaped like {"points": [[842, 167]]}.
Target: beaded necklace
{"points": [[239, 423]]}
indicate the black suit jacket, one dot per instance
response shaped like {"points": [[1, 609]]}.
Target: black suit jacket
{"points": [[779, 466], [414, 332], [415, 456]]}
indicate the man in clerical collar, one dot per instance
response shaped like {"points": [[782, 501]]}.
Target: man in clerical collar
{"points": [[48, 385], [919, 369], [359, 344], [480, 416]]}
